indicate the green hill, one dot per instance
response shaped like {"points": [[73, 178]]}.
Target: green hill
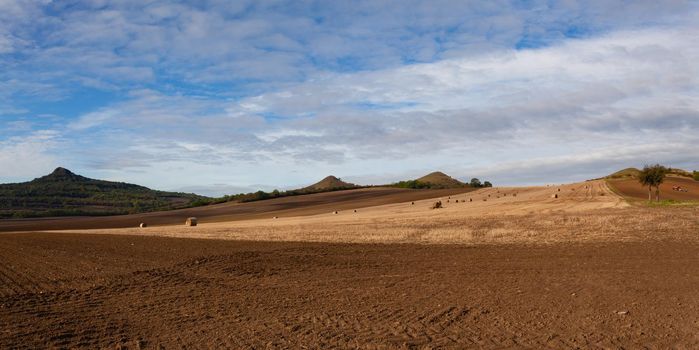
{"points": [[63, 193]]}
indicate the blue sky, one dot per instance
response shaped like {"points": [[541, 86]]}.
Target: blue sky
{"points": [[227, 96]]}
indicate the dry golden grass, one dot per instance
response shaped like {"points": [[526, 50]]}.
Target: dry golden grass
{"points": [[630, 224], [582, 213]]}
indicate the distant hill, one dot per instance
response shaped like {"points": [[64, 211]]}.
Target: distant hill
{"points": [[624, 173], [63, 193], [439, 179], [329, 183], [634, 172], [680, 172]]}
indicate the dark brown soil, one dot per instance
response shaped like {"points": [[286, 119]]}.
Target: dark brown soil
{"points": [[282, 207], [85, 291]]}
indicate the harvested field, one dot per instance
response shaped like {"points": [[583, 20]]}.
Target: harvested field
{"points": [[522, 270], [304, 205], [95, 291], [318, 216], [583, 212], [631, 188], [449, 225]]}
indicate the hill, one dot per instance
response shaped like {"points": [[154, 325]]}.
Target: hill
{"points": [[330, 183], [633, 173], [680, 172], [434, 180], [63, 193], [439, 179], [624, 173]]}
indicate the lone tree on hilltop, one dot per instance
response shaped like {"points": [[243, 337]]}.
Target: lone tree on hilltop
{"points": [[652, 176]]}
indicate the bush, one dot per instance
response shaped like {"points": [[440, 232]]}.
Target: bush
{"points": [[696, 175]]}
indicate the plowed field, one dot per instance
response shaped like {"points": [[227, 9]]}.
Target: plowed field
{"points": [[631, 188], [106, 291]]}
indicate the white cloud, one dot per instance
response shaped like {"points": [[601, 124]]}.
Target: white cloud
{"points": [[29, 155], [548, 107], [263, 92], [273, 43]]}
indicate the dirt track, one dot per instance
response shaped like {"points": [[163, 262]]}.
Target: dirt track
{"points": [[68, 290], [289, 206]]}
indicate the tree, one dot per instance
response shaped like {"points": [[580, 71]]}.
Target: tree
{"points": [[412, 184], [696, 175], [652, 176], [260, 195], [475, 182], [487, 184]]}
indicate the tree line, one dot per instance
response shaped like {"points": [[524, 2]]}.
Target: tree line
{"points": [[477, 183]]}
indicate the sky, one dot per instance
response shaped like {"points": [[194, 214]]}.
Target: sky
{"points": [[219, 97]]}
